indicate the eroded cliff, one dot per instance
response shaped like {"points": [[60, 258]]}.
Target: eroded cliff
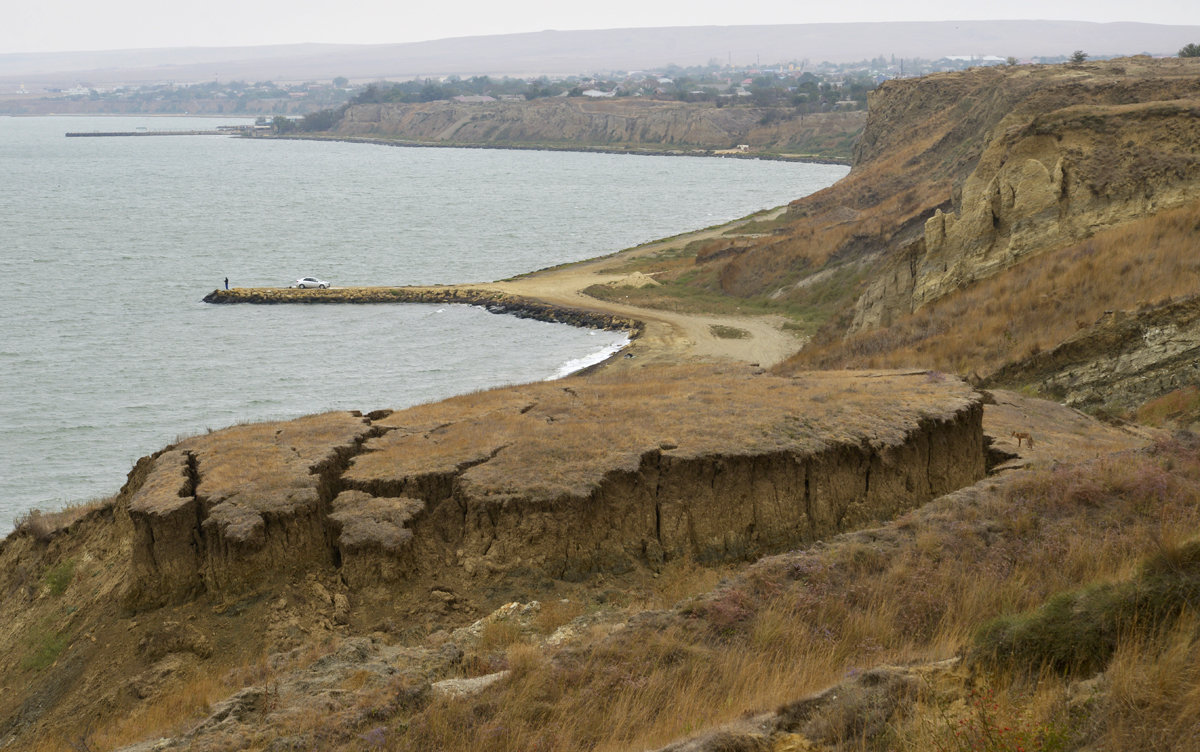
{"points": [[605, 475], [581, 122], [1080, 152]]}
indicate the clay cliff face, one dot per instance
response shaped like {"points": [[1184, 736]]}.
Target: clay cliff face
{"points": [[1080, 150], [581, 122], [547, 481], [215, 513], [1124, 361]]}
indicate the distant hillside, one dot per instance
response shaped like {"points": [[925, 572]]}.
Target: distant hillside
{"points": [[1026, 225], [582, 123], [576, 52]]}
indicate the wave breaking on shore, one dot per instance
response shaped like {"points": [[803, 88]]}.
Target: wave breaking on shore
{"points": [[578, 364]]}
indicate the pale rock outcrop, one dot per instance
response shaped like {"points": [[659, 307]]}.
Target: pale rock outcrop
{"points": [[1045, 179]]}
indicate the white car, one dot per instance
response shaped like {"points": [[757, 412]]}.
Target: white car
{"points": [[311, 282]]}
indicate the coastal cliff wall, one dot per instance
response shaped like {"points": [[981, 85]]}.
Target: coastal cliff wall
{"points": [[710, 509], [506, 485], [582, 122], [1126, 359], [1069, 157], [220, 512]]}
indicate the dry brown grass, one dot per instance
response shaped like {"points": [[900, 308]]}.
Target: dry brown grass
{"points": [[184, 702], [679, 579], [1033, 306], [264, 461], [45, 525], [555, 613], [547, 441], [830, 233], [1148, 697], [964, 716], [605, 698], [172, 712], [1153, 692], [796, 623], [1180, 407]]}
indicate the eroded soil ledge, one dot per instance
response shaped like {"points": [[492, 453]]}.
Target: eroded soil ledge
{"points": [[556, 480]]}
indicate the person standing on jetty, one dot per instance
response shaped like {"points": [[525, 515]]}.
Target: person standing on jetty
{"points": [[227, 283]]}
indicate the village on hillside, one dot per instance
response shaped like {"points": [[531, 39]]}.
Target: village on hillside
{"points": [[807, 86]]}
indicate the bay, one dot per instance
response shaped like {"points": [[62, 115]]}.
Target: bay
{"points": [[107, 246]]}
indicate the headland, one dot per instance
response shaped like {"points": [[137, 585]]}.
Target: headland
{"points": [[710, 545]]}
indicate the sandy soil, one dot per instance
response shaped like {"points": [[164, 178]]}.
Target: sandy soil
{"points": [[1059, 433], [667, 335]]}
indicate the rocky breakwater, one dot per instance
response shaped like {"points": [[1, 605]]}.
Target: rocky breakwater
{"points": [[493, 300], [602, 474]]}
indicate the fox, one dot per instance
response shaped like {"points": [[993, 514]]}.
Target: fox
{"points": [[1023, 436]]}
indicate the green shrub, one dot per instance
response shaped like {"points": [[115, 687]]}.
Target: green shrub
{"points": [[1076, 632], [44, 649], [58, 579]]}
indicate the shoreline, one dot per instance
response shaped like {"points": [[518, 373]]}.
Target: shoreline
{"points": [[493, 301], [557, 295], [633, 151]]}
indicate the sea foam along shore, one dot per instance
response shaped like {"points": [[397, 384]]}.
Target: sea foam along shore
{"points": [[578, 364]]}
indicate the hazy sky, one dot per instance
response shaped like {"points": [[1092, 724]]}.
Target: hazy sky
{"points": [[67, 25]]}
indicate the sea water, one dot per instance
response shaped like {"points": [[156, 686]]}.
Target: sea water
{"points": [[107, 246]]}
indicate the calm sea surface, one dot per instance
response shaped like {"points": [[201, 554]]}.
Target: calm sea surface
{"points": [[107, 246]]}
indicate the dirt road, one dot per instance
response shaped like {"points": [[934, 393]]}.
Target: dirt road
{"points": [[667, 335]]}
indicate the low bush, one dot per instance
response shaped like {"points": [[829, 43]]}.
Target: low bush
{"points": [[59, 577], [1077, 632], [45, 645]]}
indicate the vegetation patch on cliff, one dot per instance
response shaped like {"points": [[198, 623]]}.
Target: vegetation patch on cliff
{"points": [[850, 641], [1033, 306]]}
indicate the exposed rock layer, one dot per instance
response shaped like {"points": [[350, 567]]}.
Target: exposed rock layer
{"points": [[1064, 154], [1123, 361]]}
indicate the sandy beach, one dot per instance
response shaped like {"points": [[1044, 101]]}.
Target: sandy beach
{"points": [[666, 335]]}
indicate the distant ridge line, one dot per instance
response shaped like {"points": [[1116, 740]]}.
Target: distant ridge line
{"points": [[598, 51]]}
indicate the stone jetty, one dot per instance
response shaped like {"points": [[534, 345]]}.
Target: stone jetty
{"points": [[493, 300]]}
